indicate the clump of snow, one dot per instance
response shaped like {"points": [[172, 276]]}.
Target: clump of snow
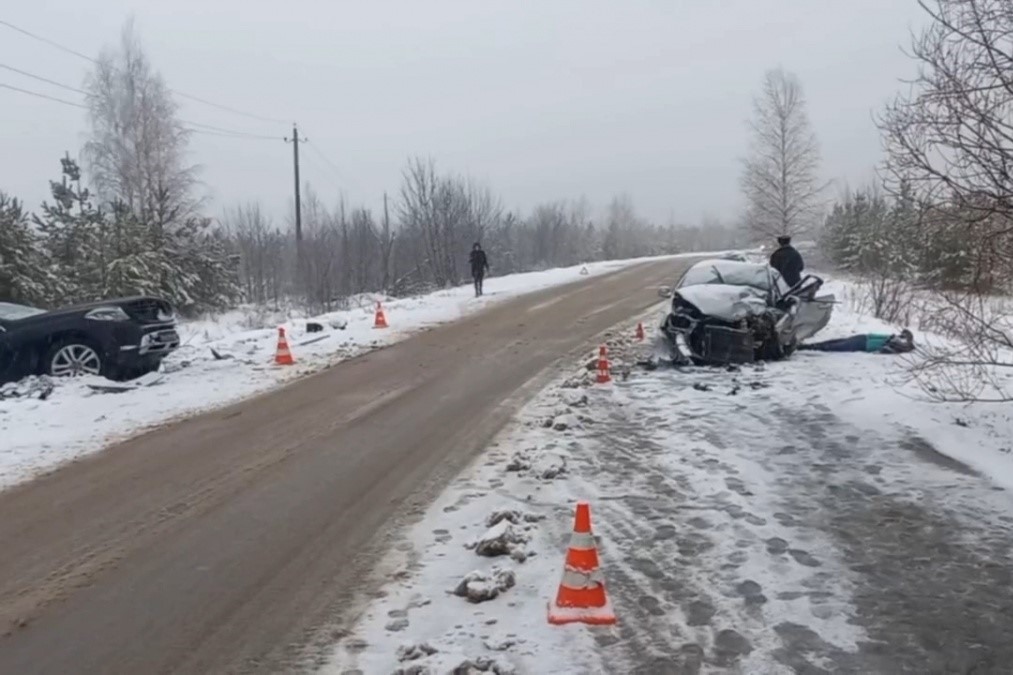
{"points": [[503, 538], [549, 465], [577, 381], [38, 388], [481, 586], [543, 464], [415, 669], [565, 422], [512, 516], [500, 644], [415, 652], [481, 665], [574, 399], [521, 461]]}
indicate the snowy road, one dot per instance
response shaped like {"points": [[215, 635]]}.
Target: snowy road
{"points": [[803, 517], [782, 535], [223, 543]]}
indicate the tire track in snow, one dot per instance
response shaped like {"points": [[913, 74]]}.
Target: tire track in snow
{"points": [[824, 546], [696, 595]]}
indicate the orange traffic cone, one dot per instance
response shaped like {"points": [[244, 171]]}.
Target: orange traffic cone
{"points": [[604, 372], [381, 319], [640, 331], [283, 356], [581, 596]]}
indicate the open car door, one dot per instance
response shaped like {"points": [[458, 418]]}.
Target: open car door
{"points": [[810, 312], [813, 315]]}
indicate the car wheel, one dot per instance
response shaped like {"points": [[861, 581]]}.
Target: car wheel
{"points": [[771, 350], [72, 358]]}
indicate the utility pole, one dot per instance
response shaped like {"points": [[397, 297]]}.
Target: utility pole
{"points": [[295, 141]]}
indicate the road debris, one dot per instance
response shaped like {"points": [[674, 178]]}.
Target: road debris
{"points": [[480, 586]]}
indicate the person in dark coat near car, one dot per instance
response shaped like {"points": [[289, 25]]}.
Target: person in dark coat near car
{"points": [[787, 260], [479, 266]]}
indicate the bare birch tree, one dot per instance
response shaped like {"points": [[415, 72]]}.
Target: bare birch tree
{"points": [[951, 139], [780, 178], [136, 149]]}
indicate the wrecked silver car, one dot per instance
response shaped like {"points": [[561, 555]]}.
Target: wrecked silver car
{"points": [[727, 311]]}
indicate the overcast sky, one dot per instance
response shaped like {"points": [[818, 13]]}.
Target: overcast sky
{"points": [[540, 99]]}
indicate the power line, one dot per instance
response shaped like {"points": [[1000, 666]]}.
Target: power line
{"points": [[329, 163], [45, 96], [43, 79], [201, 125], [347, 181], [181, 94], [211, 129], [227, 108], [47, 41], [229, 134], [338, 173], [327, 176], [195, 127]]}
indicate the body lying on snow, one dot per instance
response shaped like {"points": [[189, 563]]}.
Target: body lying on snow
{"points": [[881, 343]]}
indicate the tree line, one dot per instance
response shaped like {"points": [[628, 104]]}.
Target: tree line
{"points": [[934, 236], [128, 219]]}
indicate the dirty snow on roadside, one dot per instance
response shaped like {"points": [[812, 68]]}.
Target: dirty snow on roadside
{"points": [[44, 424], [809, 516]]}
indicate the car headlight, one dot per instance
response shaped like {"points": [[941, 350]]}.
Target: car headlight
{"points": [[107, 314]]}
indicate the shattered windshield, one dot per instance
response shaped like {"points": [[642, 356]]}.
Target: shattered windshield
{"points": [[12, 312], [733, 273]]}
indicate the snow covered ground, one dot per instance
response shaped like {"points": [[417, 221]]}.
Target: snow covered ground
{"points": [[40, 431], [809, 516]]}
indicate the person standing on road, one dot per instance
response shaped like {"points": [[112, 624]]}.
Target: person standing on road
{"points": [[479, 266], [788, 261]]}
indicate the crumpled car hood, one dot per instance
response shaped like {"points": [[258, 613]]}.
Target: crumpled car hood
{"points": [[725, 302]]}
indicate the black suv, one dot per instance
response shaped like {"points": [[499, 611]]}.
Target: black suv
{"points": [[118, 339]]}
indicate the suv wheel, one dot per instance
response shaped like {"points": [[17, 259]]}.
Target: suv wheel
{"points": [[72, 359]]}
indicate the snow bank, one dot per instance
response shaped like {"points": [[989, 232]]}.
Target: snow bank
{"points": [[978, 435]]}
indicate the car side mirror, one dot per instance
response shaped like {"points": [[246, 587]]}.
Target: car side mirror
{"points": [[664, 292]]}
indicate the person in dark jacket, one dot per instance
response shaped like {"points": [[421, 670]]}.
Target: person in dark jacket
{"points": [[479, 266], [787, 260]]}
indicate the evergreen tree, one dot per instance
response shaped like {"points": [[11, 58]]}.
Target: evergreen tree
{"points": [[25, 274], [73, 234]]}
